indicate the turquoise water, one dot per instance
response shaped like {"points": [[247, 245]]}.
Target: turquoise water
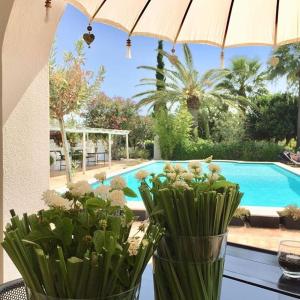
{"points": [[262, 184]]}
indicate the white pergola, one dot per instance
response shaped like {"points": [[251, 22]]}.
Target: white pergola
{"points": [[86, 130]]}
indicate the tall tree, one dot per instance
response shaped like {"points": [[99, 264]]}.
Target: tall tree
{"points": [[183, 84], [70, 87], [287, 63], [244, 79]]}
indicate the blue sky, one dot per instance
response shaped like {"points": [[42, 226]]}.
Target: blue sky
{"points": [[122, 74]]}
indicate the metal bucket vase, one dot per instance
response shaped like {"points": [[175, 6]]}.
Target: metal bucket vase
{"points": [[189, 267]]}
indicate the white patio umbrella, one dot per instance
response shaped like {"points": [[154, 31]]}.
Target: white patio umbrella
{"points": [[223, 23]]}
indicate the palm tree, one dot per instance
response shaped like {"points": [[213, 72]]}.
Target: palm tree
{"points": [[184, 85], [285, 61], [244, 79]]}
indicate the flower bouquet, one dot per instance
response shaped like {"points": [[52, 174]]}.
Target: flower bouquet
{"points": [[195, 208], [82, 246]]}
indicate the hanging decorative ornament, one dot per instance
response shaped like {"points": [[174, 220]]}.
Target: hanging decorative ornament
{"points": [[128, 48], [173, 57], [222, 58], [274, 61], [47, 6], [88, 36]]}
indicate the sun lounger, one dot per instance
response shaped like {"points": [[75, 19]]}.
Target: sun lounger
{"points": [[287, 155]]}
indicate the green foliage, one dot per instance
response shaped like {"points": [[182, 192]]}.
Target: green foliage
{"points": [[184, 85], [244, 78], [118, 113], [140, 153], [81, 249], [172, 130], [246, 150], [71, 85], [276, 118], [227, 127], [192, 206]]}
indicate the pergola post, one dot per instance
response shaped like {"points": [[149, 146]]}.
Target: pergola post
{"points": [[109, 150], [127, 147], [83, 152]]}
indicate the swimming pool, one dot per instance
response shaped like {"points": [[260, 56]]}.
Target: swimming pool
{"points": [[263, 184]]}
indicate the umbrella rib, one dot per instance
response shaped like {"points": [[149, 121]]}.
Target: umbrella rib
{"points": [[276, 23], [98, 9], [227, 23], [139, 17], [182, 21]]}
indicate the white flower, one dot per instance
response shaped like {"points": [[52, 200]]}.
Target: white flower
{"points": [[194, 165], [145, 242], [133, 246], [102, 191], [187, 176], [168, 168], [214, 168], [179, 168], [213, 177], [117, 198], [208, 159], [80, 188], [141, 175], [53, 199], [179, 184], [100, 176], [171, 176], [117, 183]]}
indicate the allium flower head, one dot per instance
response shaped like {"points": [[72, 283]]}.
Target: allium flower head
{"points": [[187, 176], [179, 184], [53, 199], [141, 175], [214, 168], [117, 198], [133, 246], [102, 191], [100, 176], [168, 168], [117, 183], [171, 176], [178, 168], [213, 177], [145, 242], [194, 165], [80, 188]]}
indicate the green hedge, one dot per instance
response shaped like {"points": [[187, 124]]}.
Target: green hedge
{"points": [[246, 150]]}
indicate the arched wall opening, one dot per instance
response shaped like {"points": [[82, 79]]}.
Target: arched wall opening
{"points": [[25, 40]]}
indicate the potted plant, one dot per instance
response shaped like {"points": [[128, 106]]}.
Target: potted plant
{"points": [[195, 208], [240, 216], [290, 217], [80, 247]]}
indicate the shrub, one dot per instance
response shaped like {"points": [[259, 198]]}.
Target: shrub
{"points": [[246, 150], [291, 211], [241, 213], [140, 153]]}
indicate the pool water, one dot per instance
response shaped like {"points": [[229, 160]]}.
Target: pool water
{"points": [[262, 184]]}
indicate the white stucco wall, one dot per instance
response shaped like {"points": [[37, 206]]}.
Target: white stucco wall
{"points": [[25, 108]]}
